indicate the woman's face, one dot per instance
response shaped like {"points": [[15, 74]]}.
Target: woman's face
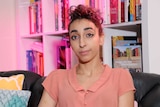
{"points": [[85, 40]]}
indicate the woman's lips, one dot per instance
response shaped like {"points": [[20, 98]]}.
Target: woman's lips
{"points": [[85, 52]]}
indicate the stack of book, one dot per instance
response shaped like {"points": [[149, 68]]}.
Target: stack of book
{"points": [[64, 54], [126, 53], [35, 60]]}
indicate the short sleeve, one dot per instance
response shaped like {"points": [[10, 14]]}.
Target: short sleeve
{"points": [[50, 84], [125, 82]]}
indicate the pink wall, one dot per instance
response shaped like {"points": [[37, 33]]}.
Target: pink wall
{"points": [[7, 35]]}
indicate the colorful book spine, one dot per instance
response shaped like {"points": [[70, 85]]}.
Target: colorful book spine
{"points": [[104, 7], [66, 8], [119, 11], [122, 11], [60, 26], [97, 4], [40, 63], [114, 11], [126, 10], [138, 10], [132, 10], [61, 59], [68, 57], [39, 16], [86, 2], [32, 19], [63, 14], [92, 3], [56, 11], [30, 60], [35, 61], [64, 54]]}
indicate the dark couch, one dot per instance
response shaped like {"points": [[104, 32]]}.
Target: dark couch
{"points": [[147, 87]]}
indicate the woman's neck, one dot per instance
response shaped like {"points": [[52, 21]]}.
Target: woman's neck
{"points": [[90, 68]]}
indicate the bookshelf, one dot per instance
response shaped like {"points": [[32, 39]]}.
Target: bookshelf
{"points": [[147, 28], [46, 33], [48, 36], [118, 27]]}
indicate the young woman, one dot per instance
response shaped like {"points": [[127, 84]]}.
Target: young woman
{"points": [[90, 83]]}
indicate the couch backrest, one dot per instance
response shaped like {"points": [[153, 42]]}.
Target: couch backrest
{"points": [[147, 89]]}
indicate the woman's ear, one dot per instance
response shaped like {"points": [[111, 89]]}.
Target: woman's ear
{"points": [[101, 39]]}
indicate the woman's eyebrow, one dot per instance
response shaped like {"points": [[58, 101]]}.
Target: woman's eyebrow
{"points": [[88, 28], [73, 31]]}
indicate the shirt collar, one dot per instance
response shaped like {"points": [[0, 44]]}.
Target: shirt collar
{"points": [[100, 82]]}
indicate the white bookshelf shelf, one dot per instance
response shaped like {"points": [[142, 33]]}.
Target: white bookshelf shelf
{"points": [[57, 33], [39, 35], [133, 23]]}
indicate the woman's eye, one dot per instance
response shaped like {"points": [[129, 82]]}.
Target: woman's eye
{"points": [[74, 37], [89, 35]]}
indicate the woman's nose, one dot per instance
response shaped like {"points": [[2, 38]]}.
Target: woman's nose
{"points": [[82, 42]]}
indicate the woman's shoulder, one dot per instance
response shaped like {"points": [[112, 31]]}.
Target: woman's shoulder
{"points": [[118, 71], [58, 72], [122, 73]]}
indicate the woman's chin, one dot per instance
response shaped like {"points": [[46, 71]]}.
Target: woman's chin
{"points": [[84, 60]]}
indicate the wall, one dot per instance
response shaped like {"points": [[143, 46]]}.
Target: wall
{"points": [[151, 36], [154, 35], [7, 35]]}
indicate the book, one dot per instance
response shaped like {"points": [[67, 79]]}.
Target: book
{"points": [[123, 40], [30, 60], [119, 11], [138, 10], [114, 11], [56, 14], [122, 11], [128, 57], [32, 18], [35, 61], [65, 15], [132, 10], [126, 10], [38, 16], [126, 53], [61, 59], [40, 63], [64, 54], [37, 46], [104, 6]]}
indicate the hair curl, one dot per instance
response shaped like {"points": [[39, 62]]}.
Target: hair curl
{"points": [[85, 12]]}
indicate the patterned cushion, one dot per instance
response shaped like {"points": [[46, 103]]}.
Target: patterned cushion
{"points": [[14, 98], [14, 82]]}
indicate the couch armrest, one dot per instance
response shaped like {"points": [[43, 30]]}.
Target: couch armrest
{"points": [[37, 91], [151, 99]]}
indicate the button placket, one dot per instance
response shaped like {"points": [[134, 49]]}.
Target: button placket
{"points": [[85, 97]]}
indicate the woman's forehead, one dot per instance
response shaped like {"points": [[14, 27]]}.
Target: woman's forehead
{"points": [[82, 24]]}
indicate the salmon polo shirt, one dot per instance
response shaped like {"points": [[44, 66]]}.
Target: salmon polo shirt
{"points": [[63, 87]]}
